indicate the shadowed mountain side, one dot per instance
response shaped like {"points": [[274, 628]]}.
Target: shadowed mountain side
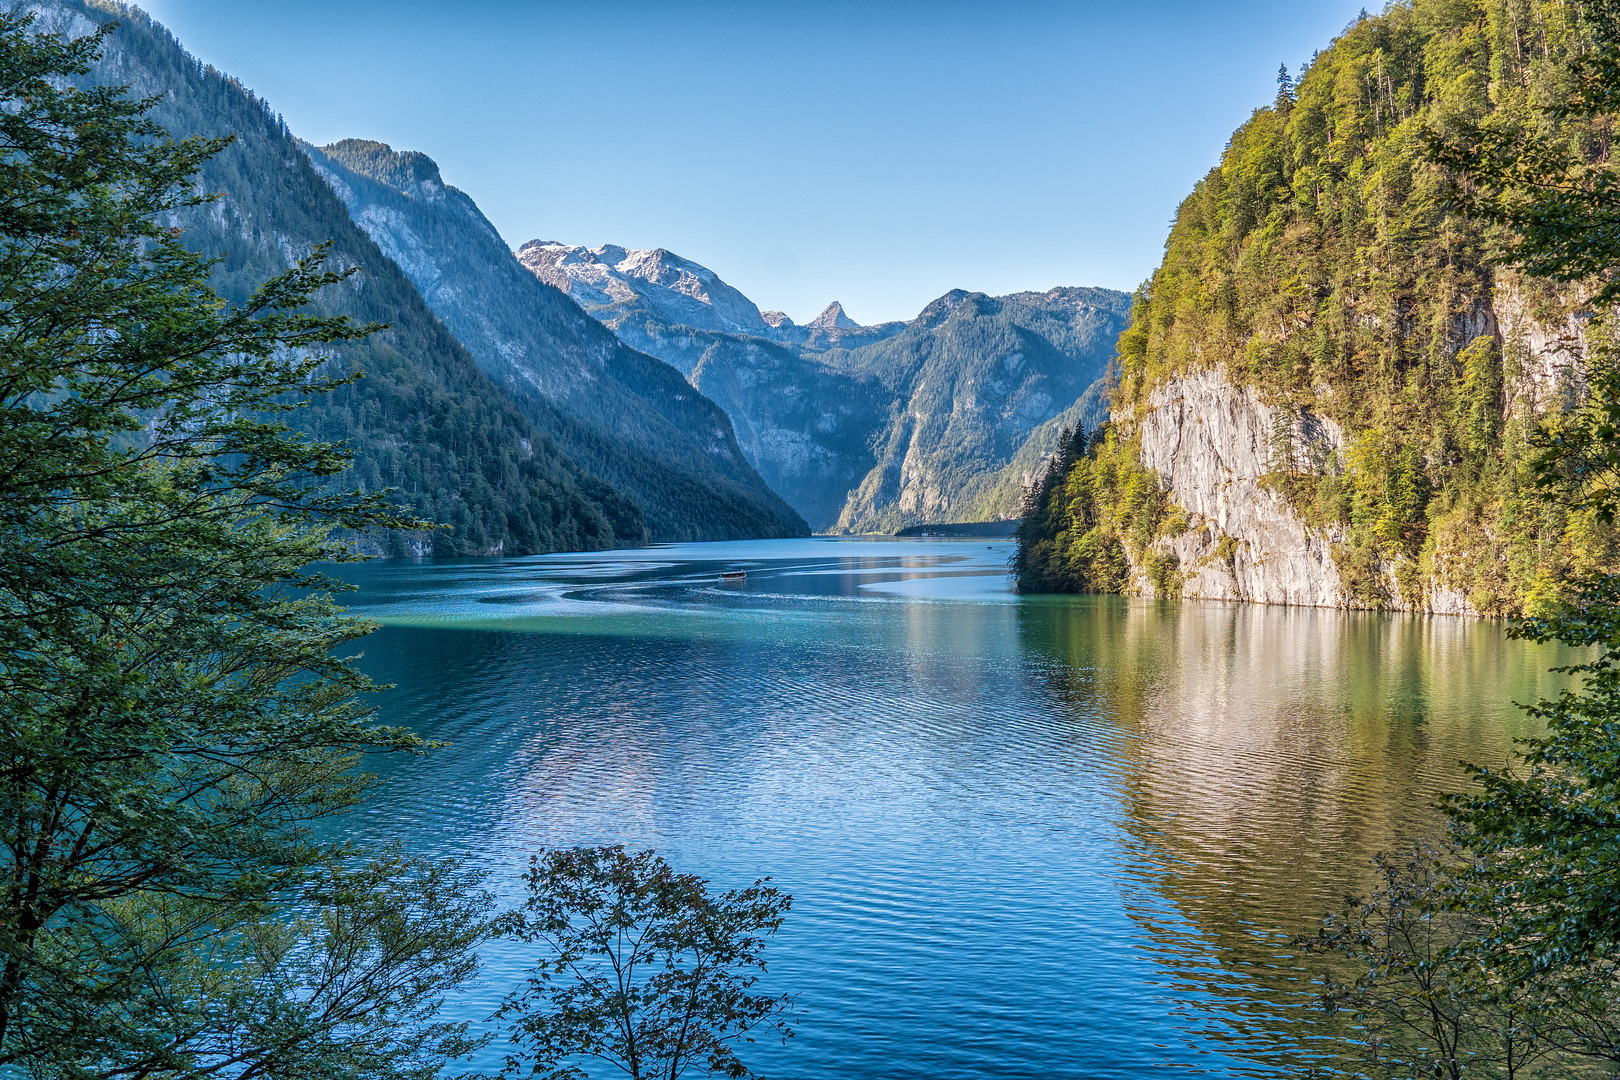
{"points": [[425, 420], [971, 378], [627, 416], [1006, 488], [809, 430]]}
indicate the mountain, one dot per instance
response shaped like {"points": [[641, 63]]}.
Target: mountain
{"points": [[653, 300], [833, 318], [424, 420], [969, 380], [626, 416], [864, 428], [611, 281], [1329, 392], [807, 427]]}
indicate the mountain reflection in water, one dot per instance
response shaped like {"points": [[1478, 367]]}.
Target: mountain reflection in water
{"points": [[1057, 836]]}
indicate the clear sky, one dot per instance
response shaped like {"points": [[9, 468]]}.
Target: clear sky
{"points": [[878, 153]]}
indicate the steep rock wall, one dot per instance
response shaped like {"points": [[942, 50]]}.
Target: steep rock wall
{"points": [[1210, 443]]}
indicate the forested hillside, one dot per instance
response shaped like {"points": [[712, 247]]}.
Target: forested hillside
{"points": [[424, 420], [625, 416], [1327, 327]]}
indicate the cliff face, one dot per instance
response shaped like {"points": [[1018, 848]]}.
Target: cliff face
{"points": [[1210, 443], [1214, 447], [807, 428], [1329, 391]]}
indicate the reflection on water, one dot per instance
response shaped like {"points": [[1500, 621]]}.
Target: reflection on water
{"points": [[1025, 836]]}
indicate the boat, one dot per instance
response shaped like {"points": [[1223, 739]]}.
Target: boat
{"points": [[733, 577]]}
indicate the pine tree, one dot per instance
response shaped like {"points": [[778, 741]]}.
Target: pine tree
{"points": [[174, 711], [1285, 89]]}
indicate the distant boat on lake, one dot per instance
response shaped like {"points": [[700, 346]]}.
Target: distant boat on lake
{"points": [[733, 577]]}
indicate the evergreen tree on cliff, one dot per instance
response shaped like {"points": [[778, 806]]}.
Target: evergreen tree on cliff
{"points": [[175, 712]]}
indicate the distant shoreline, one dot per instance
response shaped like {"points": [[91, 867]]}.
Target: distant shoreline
{"points": [[1002, 529]]}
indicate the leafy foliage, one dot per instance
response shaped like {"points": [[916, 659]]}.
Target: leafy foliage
{"points": [[645, 969], [1423, 1006], [1533, 891], [1330, 263], [176, 713]]}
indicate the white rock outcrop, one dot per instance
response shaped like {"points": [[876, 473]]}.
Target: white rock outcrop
{"points": [[1211, 442]]}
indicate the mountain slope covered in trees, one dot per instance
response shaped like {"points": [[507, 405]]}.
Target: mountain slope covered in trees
{"points": [[424, 420], [626, 416], [1330, 378]]}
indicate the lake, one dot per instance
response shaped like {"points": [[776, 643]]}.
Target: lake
{"points": [[1053, 836]]}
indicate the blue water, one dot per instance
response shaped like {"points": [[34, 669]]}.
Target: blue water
{"points": [[1025, 836]]}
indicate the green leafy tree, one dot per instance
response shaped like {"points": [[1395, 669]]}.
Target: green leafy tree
{"points": [[175, 711], [1421, 1005], [644, 968], [1531, 899]]}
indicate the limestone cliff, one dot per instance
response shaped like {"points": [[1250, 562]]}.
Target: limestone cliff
{"points": [[1331, 387], [1210, 443], [1213, 445]]}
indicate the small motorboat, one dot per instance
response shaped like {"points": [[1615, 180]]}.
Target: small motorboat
{"points": [[733, 577]]}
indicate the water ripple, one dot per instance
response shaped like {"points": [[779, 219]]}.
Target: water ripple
{"points": [[1065, 837]]}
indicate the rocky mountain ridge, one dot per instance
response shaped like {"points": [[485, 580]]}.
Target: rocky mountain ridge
{"points": [[425, 421], [866, 428], [626, 416]]}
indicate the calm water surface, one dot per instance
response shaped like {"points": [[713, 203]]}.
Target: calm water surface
{"points": [[1025, 836]]}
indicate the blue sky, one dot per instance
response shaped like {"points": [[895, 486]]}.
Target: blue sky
{"points": [[877, 153]]}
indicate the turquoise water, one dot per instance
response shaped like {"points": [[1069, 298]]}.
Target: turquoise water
{"points": [[1025, 836]]}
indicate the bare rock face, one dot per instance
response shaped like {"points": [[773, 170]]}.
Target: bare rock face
{"points": [[776, 320], [1211, 442], [1542, 360], [833, 318], [679, 291]]}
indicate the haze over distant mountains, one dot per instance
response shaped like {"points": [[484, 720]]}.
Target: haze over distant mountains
{"points": [[865, 428]]}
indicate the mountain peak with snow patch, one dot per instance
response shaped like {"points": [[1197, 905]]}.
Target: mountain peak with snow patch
{"points": [[655, 280]]}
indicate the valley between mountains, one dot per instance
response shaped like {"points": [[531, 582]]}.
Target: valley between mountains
{"points": [[859, 428], [569, 397]]}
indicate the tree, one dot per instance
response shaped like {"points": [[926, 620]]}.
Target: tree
{"points": [[1544, 831], [1422, 1007], [1529, 963], [175, 714], [1285, 89], [643, 968]]}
